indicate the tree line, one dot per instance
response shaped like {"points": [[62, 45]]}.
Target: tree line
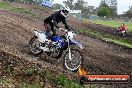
{"points": [[107, 8], [101, 11]]}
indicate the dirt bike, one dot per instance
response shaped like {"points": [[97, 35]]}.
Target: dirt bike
{"points": [[118, 31], [55, 46]]}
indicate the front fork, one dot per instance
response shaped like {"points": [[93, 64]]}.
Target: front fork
{"points": [[69, 50]]}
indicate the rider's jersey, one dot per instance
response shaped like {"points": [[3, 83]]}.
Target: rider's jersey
{"points": [[55, 18], [123, 28]]}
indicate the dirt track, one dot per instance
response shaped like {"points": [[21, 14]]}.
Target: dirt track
{"points": [[16, 31]]}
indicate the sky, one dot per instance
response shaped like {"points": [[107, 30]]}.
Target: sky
{"points": [[122, 5]]}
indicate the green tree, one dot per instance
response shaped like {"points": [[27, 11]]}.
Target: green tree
{"points": [[89, 10], [79, 5], [69, 3], [103, 4], [103, 11], [56, 6], [111, 5], [128, 14]]}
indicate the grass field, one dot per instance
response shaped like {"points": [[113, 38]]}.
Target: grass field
{"points": [[108, 38], [113, 23], [7, 6]]}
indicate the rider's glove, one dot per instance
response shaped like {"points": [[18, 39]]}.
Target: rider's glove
{"points": [[62, 29]]}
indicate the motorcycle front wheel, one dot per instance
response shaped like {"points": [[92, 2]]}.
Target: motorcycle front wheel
{"points": [[124, 34], [75, 61], [34, 46]]}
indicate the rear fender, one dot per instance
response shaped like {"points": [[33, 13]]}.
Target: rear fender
{"points": [[123, 31]]}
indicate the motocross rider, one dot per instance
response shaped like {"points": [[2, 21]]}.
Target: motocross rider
{"points": [[55, 18], [123, 27]]}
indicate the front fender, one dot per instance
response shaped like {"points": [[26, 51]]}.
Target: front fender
{"points": [[76, 43]]}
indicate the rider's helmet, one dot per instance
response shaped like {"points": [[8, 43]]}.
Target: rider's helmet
{"points": [[64, 11]]}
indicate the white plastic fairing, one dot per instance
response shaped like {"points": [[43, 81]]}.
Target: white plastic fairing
{"points": [[71, 35], [41, 36], [35, 32]]}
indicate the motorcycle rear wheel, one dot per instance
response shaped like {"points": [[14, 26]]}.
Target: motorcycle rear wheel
{"points": [[34, 46]]}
